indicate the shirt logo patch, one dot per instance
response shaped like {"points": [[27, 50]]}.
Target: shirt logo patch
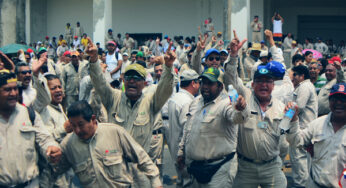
{"points": [[110, 151], [142, 113]]}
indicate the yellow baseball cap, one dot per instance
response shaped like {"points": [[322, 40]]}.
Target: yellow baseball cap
{"points": [[256, 46], [138, 68]]}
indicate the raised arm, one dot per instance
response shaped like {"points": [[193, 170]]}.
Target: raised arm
{"points": [[196, 56], [8, 64], [165, 87], [102, 87]]}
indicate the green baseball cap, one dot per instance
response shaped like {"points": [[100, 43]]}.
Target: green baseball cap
{"points": [[140, 54], [138, 68], [212, 74]]}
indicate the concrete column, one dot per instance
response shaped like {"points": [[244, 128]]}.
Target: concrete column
{"points": [[102, 19], [239, 18], [27, 21], [7, 22], [227, 20]]}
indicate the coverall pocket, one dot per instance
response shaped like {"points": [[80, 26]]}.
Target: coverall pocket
{"points": [[319, 144], [84, 172], [113, 166]]}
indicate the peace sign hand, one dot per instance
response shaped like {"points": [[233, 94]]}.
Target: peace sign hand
{"points": [[236, 45]]}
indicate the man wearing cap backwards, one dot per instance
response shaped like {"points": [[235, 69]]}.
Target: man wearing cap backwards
{"points": [[210, 134], [131, 109], [22, 137], [327, 136], [114, 60], [305, 97], [259, 137], [334, 74], [100, 153], [71, 75], [177, 104]]}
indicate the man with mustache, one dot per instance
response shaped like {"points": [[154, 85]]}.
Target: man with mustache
{"points": [[210, 134], [258, 147], [48, 103], [131, 109], [24, 75], [21, 138], [326, 135]]}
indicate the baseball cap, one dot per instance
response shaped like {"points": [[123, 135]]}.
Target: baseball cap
{"points": [[188, 75], [139, 54], [76, 37], [219, 33], [138, 68], [212, 74], [224, 51], [263, 54], [294, 42], [125, 54], [47, 37], [262, 41], [338, 89], [262, 70], [74, 53], [67, 53], [42, 50], [166, 36], [256, 47], [278, 69], [210, 51], [111, 42], [110, 30]]}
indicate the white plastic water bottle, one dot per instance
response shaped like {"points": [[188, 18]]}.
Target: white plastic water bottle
{"points": [[343, 180], [232, 93], [285, 122]]}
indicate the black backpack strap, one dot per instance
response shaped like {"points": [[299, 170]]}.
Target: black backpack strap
{"points": [[32, 114], [117, 55]]}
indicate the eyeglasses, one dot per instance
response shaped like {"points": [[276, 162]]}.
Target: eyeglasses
{"points": [[212, 58], [25, 72], [264, 81], [134, 77]]}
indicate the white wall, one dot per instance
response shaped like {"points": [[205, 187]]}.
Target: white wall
{"points": [[171, 17], [63, 11]]}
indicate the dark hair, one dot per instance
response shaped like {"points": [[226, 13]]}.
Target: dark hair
{"points": [[142, 63], [20, 64], [80, 108], [184, 84], [27, 53], [134, 53], [307, 53], [296, 58], [50, 77], [256, 16], [302, 70]]}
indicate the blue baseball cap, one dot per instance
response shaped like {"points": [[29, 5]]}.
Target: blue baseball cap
{"points": [[224, 51], [338, 89], [262, 70], [262, 41], [110, 30], [166, 36], [210, 51], [278, 69]]}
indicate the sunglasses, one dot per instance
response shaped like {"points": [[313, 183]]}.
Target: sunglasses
{"points": [[212, 58], [134, 77], [25, 72]]}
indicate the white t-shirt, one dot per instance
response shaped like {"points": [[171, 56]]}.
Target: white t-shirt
{"points": [[277, 26], [112, 63]]}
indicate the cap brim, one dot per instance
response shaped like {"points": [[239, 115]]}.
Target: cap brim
{"points": [[212, 79], [134, 70], [338, 92]]}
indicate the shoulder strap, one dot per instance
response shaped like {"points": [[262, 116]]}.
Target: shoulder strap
{"points": [[117, 55], [32, 114]]}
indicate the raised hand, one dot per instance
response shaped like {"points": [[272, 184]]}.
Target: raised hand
{"points": [[91, 50], [169, 56], [236, 44], [37, 64]]}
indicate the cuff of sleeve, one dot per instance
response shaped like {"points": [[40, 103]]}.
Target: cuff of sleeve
{"points": [[271, 49], [155, 181], [294, 127]]}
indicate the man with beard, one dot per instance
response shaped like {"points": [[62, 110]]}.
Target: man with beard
{"points": [[131, 109], [259, 137], [22, 137], [305, 97], [334, 74], [24, 75], [210, 136], [326, 135]]}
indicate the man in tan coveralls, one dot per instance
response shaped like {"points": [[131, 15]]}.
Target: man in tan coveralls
{"points": [[131, 109], [99, 153], [210, 136], [19, 134], [258, 148]]}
